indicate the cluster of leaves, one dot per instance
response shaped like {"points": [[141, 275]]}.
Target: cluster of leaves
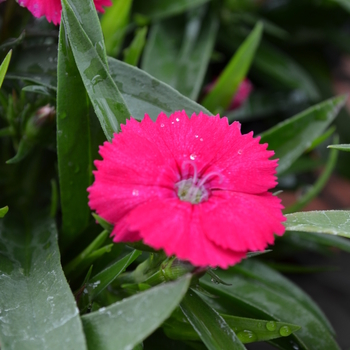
{"points": [[127, 297]]}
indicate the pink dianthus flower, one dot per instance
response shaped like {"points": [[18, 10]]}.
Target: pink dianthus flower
{"points": [[52, 9], [195, 187]]}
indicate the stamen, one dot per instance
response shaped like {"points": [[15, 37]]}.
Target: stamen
{"points": [[208, 176], [195, 172]]}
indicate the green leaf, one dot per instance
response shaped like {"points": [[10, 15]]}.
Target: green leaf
{"points": [[178, 50], [344, 3], [133, 52], [108, 103], [260, 292], [38, 310], [342, 147], [210, 326], [145, 94], [3, 211], [113, 23], [125, 324], [334, 222], [220, 97], [290, 138], [248, 330], [104, 278], [3, 67], [318, 185], [75, 146], [155, 9]]}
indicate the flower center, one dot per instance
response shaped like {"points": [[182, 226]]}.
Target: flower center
{"points": [[194, 189]]}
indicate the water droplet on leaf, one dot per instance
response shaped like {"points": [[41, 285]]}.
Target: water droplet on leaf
{"points": [[246, 336], [285, 331], [271, 326]]}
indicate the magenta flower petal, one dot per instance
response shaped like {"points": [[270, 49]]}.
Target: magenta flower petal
{"points": [[52, 9], [194, 187]]}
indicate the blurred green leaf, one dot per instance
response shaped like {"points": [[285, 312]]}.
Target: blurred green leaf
{"points": [[210, 326], [344, 3], [108, 103], [3, 67], [75, 154], [155, 9], [248, 330], [319, 140], [24, 148], [334, 222], [279, 67], [3, 211], [113, 23], [260, 292], [39, 89], [317, 187], [145, 94], [38, 310], [342, 147], [178, 50], [290, 138], [133, 52], [125, 324], [220, 97], [104, 278]]}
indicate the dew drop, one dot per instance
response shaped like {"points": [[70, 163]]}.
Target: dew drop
{"points": [[247, 336], [177, 119], [285, 331], [196, 136], [193, 156], [172, 122], [239, 151], [135, 193], [271, 326], [162, 125], [200, 139]]}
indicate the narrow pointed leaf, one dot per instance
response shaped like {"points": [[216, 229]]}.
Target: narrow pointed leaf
{"points": [[124, 325], [261, 292], [145, 94], [38, 310], [334, 222], [178, 50], [290, 138], [210, 326], [342, 147], [105, 97], [227, 84], [133, 52], [3, 211], [3, 67]]}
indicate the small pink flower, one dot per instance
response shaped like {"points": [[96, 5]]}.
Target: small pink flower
{"points": [[195, 187], [52, 9]]}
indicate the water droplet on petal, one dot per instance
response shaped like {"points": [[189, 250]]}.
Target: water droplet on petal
{"points": [[239, 151], [285, 331], [177, 119], [162, 125], [271, 326], [193, 156], [196, 136], [172, 122], [135, 192], [201, 139]]}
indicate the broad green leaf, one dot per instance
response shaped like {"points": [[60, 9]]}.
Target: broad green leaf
{"points": [[260, 292], [210, 326], [113, 23], [155, 9], [3, 211], [75, 130], [317, 187], [248, 330], [278, 67], [220, 97], [290, 138], [334, 222], [104, 278], [108, 103], [3, 67], [125, 324], [133, 52], [145, 94], [178, 50], [38, 310], [342, 147]]}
